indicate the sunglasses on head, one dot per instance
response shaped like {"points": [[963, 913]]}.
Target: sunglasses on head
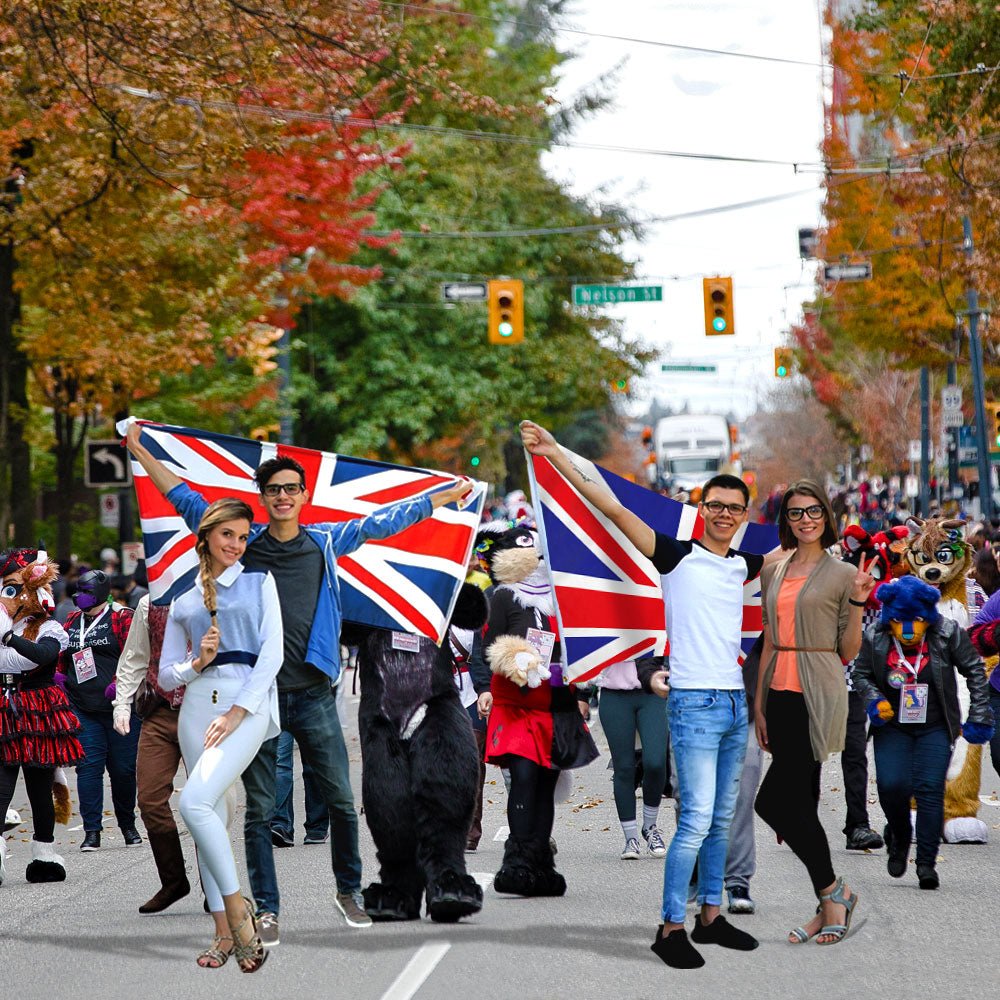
{"points": [[275, 489]]}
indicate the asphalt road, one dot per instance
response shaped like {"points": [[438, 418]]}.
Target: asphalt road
{"points": [[84, 938]]}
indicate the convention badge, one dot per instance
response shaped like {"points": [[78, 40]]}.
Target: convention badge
{"points": [[84, 665], [405, 642], [897, 678], [543, 642], [913, 702]]}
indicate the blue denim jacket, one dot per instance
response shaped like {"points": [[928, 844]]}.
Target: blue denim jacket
{"points": [[334, 540]]}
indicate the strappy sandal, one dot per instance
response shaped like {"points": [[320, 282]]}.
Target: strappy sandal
{"points": [[253, 952], [214, 957], [801, 935], [838, 931]]}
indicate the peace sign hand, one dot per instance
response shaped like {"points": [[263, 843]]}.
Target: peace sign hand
{"points": [[864, 582]]}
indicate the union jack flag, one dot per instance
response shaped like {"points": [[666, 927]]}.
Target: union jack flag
{"points": [[408, 582], [609, 605]]}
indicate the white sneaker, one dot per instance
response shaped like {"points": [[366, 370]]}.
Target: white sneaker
{"points": [[632, 850], [3, 858]]}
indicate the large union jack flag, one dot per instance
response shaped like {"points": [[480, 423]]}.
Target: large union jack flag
{"points": [[609, 604], [408, 582]]}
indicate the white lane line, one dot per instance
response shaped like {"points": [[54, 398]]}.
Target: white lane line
{"points": [[484, 879], [72, 829], [502, 834], [989, 800], [416, 971]]}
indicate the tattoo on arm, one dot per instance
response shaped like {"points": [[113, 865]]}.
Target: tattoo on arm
{"points": [[583, 475]]}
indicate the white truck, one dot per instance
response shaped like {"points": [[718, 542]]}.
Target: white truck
{"points": [[691, 448]]}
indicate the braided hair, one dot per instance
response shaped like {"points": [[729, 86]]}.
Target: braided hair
{"points": [[218, 512]]}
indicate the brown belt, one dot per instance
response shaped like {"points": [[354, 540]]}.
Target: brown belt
{"points": [[802, 649]]}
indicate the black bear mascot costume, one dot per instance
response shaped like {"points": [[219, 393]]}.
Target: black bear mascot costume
{"points": [[420, 769]]}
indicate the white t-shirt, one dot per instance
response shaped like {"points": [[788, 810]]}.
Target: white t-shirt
{"points": [[703, 596]]}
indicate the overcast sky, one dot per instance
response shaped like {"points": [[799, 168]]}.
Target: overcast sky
{"points": [[673, 100]]}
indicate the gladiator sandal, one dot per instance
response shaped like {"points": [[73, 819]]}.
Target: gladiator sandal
{"points": [[251, 955], [838, 931], [214, 957]]}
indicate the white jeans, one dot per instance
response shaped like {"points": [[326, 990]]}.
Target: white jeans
{"points": [[203, 801]]}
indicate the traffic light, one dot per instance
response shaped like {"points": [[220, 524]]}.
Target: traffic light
{"points": [[992, 424], [782, 362], [474, 461], [620, 385], [506, 309], [264, 433], [718, 293]]}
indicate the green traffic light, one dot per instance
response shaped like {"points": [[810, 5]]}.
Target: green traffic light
{"points": [[781, 371], [719, 324], [474, 461], [505, 329]]}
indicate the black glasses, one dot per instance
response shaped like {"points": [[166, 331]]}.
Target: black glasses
{"points": [[274, 489], [717, 507], [814, 512]]}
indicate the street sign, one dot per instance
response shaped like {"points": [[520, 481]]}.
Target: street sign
{"points": [[914, 453], [968, 450], [952, 418], [463, 291], [912, 487], [867, 453], [848, 272], [132, 552], [951, 397], [106, 464], [110, 508], [688, 368], [599, 295]]}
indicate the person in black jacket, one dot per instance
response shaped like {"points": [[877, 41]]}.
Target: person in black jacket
{"points": [[906, 674]]}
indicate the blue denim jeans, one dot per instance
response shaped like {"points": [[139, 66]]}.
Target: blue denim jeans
{"points": [[317, 815], [106, 750], [311, 717], [708, 734], [913, 764]]}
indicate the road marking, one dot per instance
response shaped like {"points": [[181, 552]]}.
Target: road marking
{"points": [[73, 829], [502, 834], [483, 879], [989, 800], [416, 971]]}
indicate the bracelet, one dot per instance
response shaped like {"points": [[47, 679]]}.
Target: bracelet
{"points": [[7, 636], [857, 604]]}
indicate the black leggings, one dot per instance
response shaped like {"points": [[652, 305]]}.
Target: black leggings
{"points": [[531, 809], [788, 800], [38, 782]]}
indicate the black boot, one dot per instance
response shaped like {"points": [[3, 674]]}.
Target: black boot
{"points": [[453, 895], [548, 882], [517, 874], [897, 853], [169, 858], [388, 902]]}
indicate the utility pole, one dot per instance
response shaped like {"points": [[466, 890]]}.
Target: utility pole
{"points": [[978, 381], [953, 482], [925, 440]]}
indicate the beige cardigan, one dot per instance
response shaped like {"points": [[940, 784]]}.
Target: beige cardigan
{"points": [[821, 613]]}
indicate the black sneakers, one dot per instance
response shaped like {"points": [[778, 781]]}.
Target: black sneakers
{"points": [[721, 932], [676, 950], [864, 838], [928, 877], [91, 841], [131, 837]]}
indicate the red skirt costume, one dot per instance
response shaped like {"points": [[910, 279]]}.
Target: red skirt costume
{"points": [[37, 725]]}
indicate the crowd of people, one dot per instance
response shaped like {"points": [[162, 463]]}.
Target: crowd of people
{"points": [[248, 662]]}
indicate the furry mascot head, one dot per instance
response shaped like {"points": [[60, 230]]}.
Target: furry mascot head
{"points": [[938, 554], [882, 553], [26, 597], [510, 554], [909, 609]]}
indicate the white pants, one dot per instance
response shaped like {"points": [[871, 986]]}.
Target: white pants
{"points": [[203, 801]]}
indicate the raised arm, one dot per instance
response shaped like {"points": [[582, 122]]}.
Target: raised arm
{"points": [[162, 478], [538, 441]]}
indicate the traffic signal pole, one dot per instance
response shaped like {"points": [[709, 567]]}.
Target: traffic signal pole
{"points": [[925, 441], [978, 382]]}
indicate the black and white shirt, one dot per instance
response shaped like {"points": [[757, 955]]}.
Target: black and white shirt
{"points": [[703, 595]]}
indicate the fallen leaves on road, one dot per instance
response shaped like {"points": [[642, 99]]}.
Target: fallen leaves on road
{"points": [[589, 804]]}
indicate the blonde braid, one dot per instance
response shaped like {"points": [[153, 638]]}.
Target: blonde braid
{"points": [[207, 580]]}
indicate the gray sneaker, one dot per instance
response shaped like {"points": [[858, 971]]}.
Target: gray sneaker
{"points": [[352, 906], [632, 850], [267, 928], [654, 841]]}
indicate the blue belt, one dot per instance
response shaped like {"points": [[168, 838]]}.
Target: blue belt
{"points": [[235, 656]]}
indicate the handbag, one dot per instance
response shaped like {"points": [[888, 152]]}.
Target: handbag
{"points": [[146, 699]]}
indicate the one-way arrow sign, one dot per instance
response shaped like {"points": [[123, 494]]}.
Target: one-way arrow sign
{"points": [[106, 465], [464, 291]]}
